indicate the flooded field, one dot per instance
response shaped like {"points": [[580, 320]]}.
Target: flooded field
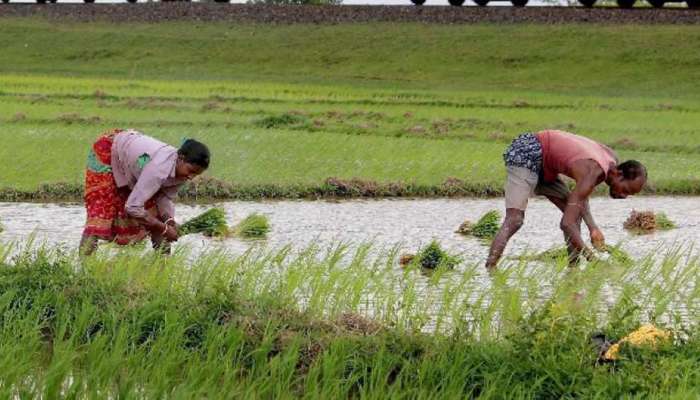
{"points": [[437, 301], [407, 224]]}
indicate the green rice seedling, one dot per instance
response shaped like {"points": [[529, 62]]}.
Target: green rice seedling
{"points": [[123, 325], [278, 121], [254, 226], [663, 222], [643, 222], [433, 256], [616, 255], [210, 223], [487, 226]]}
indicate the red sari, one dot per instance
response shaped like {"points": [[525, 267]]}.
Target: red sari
{"points": [[105, 204]]}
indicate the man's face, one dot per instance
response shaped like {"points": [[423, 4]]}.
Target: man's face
{"points": [[620, 187]]}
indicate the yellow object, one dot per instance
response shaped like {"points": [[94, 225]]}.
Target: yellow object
{"points": [[646, 335]]}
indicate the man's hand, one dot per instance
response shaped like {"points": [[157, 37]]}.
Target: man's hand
{"points": [[597, 239]]}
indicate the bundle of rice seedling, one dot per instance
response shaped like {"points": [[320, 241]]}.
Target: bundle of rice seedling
{"points": [[487, 226], [641, 222], [663, 222], [406, 259], [253, 226], [465, 228], [432, 256], [210, 223]]}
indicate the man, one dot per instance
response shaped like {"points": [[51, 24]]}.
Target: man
{"points": [[533, 163]]}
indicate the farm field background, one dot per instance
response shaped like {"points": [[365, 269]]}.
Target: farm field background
{"points": [[369, 109], [289, 106]]}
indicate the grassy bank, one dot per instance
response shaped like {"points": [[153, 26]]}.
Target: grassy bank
{"points": [[394, 105], [280, 325]]}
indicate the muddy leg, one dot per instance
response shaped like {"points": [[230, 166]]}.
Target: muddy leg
{"points": [[512, 223]]}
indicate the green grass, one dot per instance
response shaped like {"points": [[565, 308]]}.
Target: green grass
{"points": [[332, 324], [284, 108]]}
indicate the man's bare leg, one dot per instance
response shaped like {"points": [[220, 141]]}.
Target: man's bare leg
{"points": [[512, 223]]}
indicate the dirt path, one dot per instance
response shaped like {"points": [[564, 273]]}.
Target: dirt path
{"points": [[205, 12]]}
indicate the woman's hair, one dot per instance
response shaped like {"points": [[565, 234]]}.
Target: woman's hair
{"points": [[194, 152]]}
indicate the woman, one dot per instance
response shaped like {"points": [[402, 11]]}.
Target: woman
{"points": [[130, 183]]}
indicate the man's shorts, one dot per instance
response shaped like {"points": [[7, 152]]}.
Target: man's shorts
{"points": [[523, 159], [522, 183]]}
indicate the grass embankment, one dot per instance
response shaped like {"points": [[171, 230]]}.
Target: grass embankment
{"points": [[407, 109], [280, 326]]}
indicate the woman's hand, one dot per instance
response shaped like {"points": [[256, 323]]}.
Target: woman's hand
{"points": [[171, 234]]}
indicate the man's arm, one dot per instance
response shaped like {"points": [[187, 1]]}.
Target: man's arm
{"points": [[588, 217], [597, 238], [587, 175]]}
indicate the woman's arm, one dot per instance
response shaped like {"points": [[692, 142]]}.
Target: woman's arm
{"points": [[148, 184]]}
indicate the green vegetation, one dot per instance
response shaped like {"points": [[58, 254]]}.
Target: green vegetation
{"points": [[210, 223], [616, 256], [487, 226], [254, 226], [663, 222], [384, 109], [295, 324], [433, 256], [643, 222]]}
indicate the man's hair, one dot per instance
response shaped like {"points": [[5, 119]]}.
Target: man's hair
{"points": [[195, 152], [632, 170]]}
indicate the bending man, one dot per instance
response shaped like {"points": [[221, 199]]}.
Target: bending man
{"points": [[534, 162]]}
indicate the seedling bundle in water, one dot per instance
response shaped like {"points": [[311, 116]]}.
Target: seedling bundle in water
{"points": [[431, 257], [485, 228], [213, 223], [641, 222], [210, 223], [253, 226]]}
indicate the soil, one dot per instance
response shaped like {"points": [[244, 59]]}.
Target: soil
{"points": [[274, 14]]}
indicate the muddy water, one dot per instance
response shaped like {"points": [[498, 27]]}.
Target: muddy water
{"points": [[407, 224], [386, 223]]}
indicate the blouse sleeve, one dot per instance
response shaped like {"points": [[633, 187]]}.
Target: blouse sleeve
{"points": [[148, 184]]}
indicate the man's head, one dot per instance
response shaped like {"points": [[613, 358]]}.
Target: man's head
{"points": [[192, 160], [626, 179]]}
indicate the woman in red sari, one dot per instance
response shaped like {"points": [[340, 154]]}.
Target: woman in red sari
{"points": [[131, 181]]}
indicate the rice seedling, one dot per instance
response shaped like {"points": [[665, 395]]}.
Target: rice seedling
{"points": [[335, 323], [642, 222], [431, 256], [611, 254], [254, 226], [210, 223], [663, 222], [487, 226], [269, 134]]}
